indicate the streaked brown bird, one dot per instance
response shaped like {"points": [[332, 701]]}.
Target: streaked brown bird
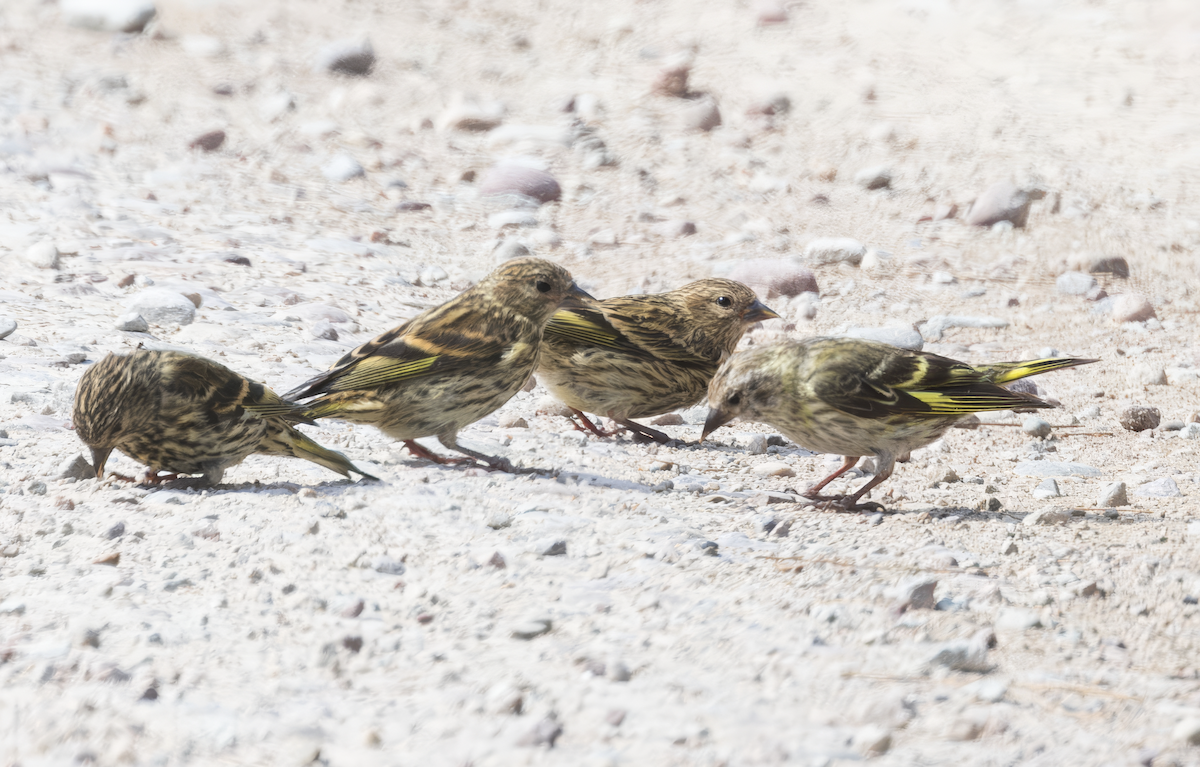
{"points": [[450, 365], [185, 414], [641, 356], [854, 398]]}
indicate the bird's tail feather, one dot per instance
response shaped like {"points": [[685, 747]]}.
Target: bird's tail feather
{"points": [[1007, 372], [294, 443]]}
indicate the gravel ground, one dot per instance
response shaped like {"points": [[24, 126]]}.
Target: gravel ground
{"points": [[631, 605]]}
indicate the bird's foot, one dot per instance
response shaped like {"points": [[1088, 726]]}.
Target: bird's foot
{"points": [[588, 425], [842, 503], [122, 477], [643, 434], [420, 451], [153, 478], [497, 463]]}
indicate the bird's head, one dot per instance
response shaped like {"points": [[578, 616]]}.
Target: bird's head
{"points": [[722, 310], [101, 413], [534, 288], [745, 387]]}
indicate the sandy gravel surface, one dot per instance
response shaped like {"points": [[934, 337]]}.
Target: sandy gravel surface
{"points": [[631, 605]]}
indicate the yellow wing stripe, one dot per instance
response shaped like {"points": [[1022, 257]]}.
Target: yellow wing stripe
{"points": [[372, 371], [963, 404], [578, 328]]}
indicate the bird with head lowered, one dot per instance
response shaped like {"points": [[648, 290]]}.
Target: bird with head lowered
{"points": [[859, 398]]}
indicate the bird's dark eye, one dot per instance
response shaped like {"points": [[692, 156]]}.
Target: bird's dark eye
{"points": [[735, 399], [724, 302], [543, 286]]}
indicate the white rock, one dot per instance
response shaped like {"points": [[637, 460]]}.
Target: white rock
{"points": [[341, 168], [108, 15], [1131, 307], [1191, 431], [162, 306], [905, 338], [202, 46], [7, 327], [1036, 427], [774, 469], [1188, 731], [1145, 374], [43, 255], [1074, 283], [934, 327], [1047, 489], [1047, 515], [1181, 376], [835, 250], [1112, 496], [1017, 619]]}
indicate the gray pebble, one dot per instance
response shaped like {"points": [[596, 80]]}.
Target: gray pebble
{"points": [[1047, 515], [1140, 418], [116, 531], [1048, 488], [544, 733], [756, 445], [512, 421], [551, 547], [8, 326], [342, 168], [1113, 495], [772, 277], [532, 628], [346, 57], [76, 468], [323, 329], [514, 179], [12, 606], [1172, 426], [387, 565], [1074, 283], [1131, 307], [835, 250], [1001, 202], [1159, 488], [703, 115], [36, 487], [208, 142], [162, 306], [915, 593], [1036, 427], [133, 322], [877, 177], [673, 229]]}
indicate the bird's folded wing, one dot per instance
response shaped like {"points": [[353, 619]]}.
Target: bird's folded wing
{"points": [[632, 324], [396, 357], [917, 385], [224, 393]]}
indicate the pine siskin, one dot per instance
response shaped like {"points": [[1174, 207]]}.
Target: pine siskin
{"points": [[639, 356], [450, 365], [854, 398], [185, 414]]}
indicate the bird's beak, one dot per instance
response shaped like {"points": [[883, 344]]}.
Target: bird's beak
{"points": [[757, 312], [716, 419], [99, 458], [577, 298]]}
